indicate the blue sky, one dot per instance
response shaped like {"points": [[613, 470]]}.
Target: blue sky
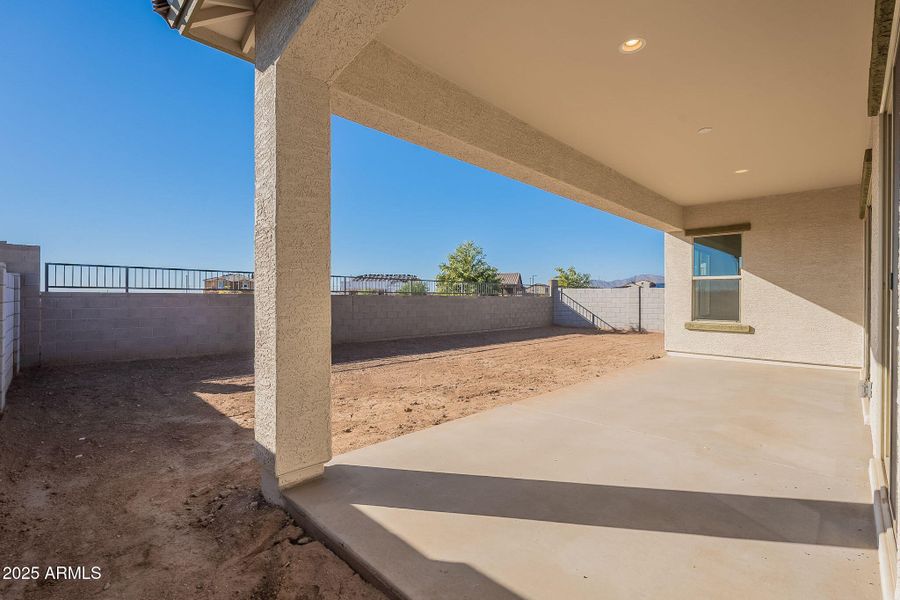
{"points": [[123, 143]]}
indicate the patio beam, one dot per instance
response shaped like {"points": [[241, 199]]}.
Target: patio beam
{"points": [[384, 90], [323, 36], [219, 14], [292, 298]]}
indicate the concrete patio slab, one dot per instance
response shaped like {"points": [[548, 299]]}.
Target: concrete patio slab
{"points": [[679, 478]]}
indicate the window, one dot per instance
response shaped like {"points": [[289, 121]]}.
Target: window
{"points": [[717, 278]]}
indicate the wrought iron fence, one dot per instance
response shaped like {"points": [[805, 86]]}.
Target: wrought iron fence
{"points": [[124, 278]]}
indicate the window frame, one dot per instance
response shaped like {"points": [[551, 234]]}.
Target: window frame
{"points": [[739, 277]]}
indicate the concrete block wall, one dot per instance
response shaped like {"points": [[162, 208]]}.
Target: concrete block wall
{"points": [[373, 318], [9, 330], [81, 327], [610, 308], [26, 261]]}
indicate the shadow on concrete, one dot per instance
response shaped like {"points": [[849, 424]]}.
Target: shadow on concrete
{"points": [[774, 519], [451, 579]]}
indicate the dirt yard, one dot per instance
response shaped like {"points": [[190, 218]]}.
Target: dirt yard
{"points": [[145, 469]]}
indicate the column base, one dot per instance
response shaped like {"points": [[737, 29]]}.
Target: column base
{"points": [[271, 485]]}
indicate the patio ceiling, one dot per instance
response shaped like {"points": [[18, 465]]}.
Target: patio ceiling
{"points": [[783, 85]]}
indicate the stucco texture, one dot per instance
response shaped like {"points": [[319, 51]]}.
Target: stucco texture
{"points": [[292, 256], [803, 269]]}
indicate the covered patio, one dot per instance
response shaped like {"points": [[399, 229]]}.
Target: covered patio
{"points": [[742, 131], [679, 478]]}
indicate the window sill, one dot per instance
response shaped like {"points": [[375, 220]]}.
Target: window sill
{"points": [[720, 326]]}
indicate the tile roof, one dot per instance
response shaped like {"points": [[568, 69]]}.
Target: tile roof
{"points": [[511, 279]]}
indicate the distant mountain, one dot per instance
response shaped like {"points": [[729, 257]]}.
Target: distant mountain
{"points": [[659, 280]]}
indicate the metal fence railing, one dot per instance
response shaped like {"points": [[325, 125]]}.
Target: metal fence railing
{"points": [[124, 278], [410, 286]]}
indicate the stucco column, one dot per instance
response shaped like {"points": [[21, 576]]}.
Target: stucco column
{"points": [[293, 254]]}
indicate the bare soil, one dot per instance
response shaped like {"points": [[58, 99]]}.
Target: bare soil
{"points": [[145, 469]]}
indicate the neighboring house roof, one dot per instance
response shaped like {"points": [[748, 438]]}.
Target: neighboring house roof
{"points": [[511, 279]]}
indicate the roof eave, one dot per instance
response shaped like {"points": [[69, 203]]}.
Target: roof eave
{"points": [[182, 16]]}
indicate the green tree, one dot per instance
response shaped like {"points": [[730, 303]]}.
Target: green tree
{"points": [[570, 278], [414, 288], [468, 263]]}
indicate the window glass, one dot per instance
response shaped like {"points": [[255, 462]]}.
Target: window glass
{"points": [[717, 299], [717, 255]]}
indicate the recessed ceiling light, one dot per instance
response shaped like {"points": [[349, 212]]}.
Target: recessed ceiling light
{"points": [[704, 130], [630, 46], [741, 171]]}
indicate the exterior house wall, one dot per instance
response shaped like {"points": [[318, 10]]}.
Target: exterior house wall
{"points": [[26, 260], [610, 308], [803, 264]]}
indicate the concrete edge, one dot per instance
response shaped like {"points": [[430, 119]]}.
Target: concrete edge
{"points": [[762, 361], [366, 571]]}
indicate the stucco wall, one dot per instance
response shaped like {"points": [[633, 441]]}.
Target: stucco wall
{"points": [[97, 327], [802, 279], [617, 308], [371, 318]]}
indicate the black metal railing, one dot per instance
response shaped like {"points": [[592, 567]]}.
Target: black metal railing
{"points": [[125, 278], [410, 286]]}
